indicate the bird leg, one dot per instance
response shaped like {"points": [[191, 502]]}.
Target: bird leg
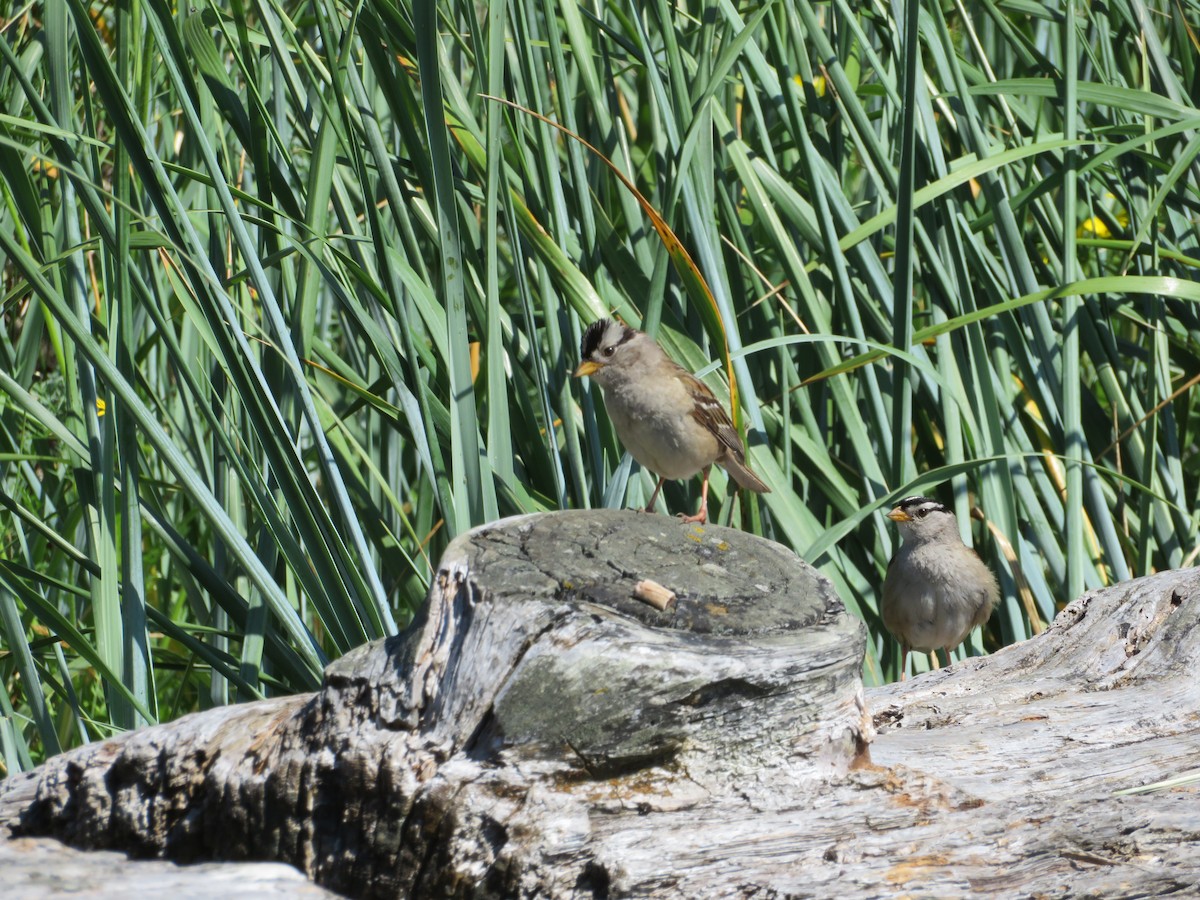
{"points": [[903, 662], [649, 507], [701, 516], [937, 663]]}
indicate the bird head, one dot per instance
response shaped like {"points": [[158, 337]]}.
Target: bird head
{"points": [[922, 518], [606, 345]]}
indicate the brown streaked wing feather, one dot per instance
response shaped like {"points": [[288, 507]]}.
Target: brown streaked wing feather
{"points": [[709, 412]]}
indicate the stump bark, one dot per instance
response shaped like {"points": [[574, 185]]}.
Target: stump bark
{"points": [[542, 731]]}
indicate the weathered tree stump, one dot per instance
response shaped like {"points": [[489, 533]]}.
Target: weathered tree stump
{"points": [[542, 731]]}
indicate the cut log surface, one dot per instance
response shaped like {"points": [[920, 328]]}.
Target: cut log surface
{"points": [[543, 730]]}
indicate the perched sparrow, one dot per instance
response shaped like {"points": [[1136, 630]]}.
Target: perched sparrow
{"points": [[937, 589], [666, 418]]}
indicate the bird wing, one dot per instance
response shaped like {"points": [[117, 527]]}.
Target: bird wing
{"points": [[709, 412]]}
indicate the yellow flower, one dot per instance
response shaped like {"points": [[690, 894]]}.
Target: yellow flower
{"points": [[1097, 227], [1093, 227], [818, 84]]}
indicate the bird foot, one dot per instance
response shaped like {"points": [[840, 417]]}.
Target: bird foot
{"points": [[700, 517]]}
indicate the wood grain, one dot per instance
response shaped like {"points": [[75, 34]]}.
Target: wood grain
{"points": [[540, 731]]}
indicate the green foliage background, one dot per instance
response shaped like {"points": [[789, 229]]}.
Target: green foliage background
{"points": [[288, 303]]}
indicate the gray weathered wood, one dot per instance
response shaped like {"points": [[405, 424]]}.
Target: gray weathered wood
{"points": [[541, 731], [41, 868]]}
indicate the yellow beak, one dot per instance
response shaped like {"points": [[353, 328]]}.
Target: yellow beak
{"points": [[587, 367], [898, 515]]}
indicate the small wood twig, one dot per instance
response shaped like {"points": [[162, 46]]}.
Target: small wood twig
{"points": [[654, 593]]}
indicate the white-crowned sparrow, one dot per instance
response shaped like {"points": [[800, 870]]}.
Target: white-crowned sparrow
{"points": [[937, 589], [666, 418]]}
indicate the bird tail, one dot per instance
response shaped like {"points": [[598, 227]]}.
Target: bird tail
{"points": [[739, 472]]}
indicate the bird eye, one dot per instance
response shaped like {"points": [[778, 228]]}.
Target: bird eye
{"points": [[922, 513], [608, 351]]}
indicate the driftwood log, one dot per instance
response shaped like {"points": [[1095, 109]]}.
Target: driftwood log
{"points": [[545, 729]]}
